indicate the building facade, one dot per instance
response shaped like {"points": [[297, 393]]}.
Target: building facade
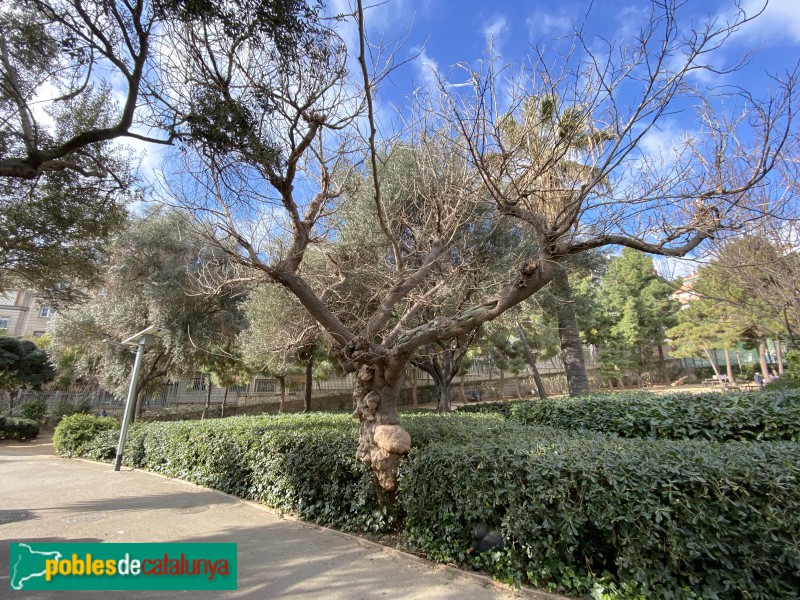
{"points": [[23, 314]]}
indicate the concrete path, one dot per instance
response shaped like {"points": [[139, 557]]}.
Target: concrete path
{"points": [[74, 500]]}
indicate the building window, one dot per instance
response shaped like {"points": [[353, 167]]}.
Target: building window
{"points": [[38, 334], [4, 322], [239, 387], [46, 311], [198, 383], [264, 385]]}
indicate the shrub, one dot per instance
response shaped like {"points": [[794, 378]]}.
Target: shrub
{"points": [[76, 431], [712, 416], [64, 408], [34, 409], [18, 428], [783, 383], [500, 408], [643, 517], [660, 519]]}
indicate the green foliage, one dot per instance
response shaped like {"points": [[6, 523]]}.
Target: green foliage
{"points": [[56, 228], [23, 364], [638, 308], [74, 432], [578, 511], [792, 359], [665, 518], [500, 408], [65, 408], [151, 278], [783, 383], [712, 416], [12, 428], [34, 409]]}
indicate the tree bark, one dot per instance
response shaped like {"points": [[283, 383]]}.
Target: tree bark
{"points": [[461, 389], [382, 442], [713, 360], [571, 345], [309, 384], [208, 400], [729, 365], [779, 356], [502, 392], [662, 365], [762, 359], [537, 378], [282, 380], [414, 398], [224, 400], [443, 400]]}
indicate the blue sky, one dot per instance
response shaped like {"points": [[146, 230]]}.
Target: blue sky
{"points": [[442, 33], [446, 32]]}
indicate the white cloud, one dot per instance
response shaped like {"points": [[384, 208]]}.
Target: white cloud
{"points": [[427, 70], [665, 143], [541, 23], [495, 33], [779, 22]]}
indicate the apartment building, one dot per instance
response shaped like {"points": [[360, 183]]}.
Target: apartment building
{"points": [[23, 314]]}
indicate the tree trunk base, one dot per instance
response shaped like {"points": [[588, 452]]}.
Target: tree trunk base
{"points": [[382, 441]]}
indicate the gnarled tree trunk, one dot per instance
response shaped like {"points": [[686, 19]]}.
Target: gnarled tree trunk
{"points": [[382, 441]]}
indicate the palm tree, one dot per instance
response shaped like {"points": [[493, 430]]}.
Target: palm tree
{"points": [[545, 177]]}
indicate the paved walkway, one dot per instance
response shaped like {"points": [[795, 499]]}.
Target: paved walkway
{"points": [[74, 500]]}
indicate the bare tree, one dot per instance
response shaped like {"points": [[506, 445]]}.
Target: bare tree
{"points": [[279, 171]]}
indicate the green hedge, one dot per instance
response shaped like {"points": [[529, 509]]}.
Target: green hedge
{"points": [[18, 428], [711, 416], [654, 518], [648, 518], [75, 432]]}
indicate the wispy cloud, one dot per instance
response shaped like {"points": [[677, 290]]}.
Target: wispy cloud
{"points": [[631, 19], [542, 23], [664, 144], [427, 71], [495, 33], [780, 22]]}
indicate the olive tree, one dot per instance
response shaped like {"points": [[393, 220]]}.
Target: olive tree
{"points": [[273, 173], [152, 279]]}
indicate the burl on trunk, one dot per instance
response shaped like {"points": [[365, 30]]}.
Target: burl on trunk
{"points": [[382, 442]]}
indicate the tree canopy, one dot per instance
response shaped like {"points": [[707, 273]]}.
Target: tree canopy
{"points": [[151, 280], [23, 364], [395, 242]]}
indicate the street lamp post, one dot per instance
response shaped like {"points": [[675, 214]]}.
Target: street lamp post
{"points": [[146, 337]]}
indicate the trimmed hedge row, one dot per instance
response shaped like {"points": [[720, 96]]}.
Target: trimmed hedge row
{"points": [[302, 463], [713, 416], [647, 518], [640, 518], [18, 428]]}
